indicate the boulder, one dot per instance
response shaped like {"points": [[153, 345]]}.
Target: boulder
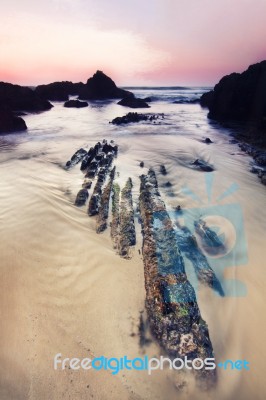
{"points": [[163, 170], [20, 98], [10, 123], [133, 102], [75, 104], [202, 165], [208, 140], [82, 197], [101, 87], [58, 91]]}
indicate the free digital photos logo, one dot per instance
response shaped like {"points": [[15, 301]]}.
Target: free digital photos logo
{"points": [[218, 228]]}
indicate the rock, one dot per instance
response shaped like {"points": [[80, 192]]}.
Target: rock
{"points": [[173, 312], [233, 141], [148, 99], [263, 179], [20, 98], [242, 98], [206, 99], [168, 184], [115, 225], [202, 165], [127, 224], [58, 91], [135, 117], [255, 169], [102, 217], [101, 87], [130, 117], [82, 197], [141, 164], [163, 170], [76, 158], [75, 104], [133, 102], [208, 141], [11, 123], [92, 169], [261, 159], [87, 184]]}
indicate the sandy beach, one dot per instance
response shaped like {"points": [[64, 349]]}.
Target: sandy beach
{"points": [[65, 290]]}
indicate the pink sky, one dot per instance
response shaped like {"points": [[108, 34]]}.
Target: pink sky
{"points": [[136, 42]]}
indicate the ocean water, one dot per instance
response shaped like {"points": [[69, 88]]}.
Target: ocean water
{"points": [[63, 288]]}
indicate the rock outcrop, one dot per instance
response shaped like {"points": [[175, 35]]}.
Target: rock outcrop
{"points": [[20, 98], [76, 158], [10, 123], [242, 98], [133, 102], [202, 165], [58, 91], [82, 197], [101, 87], [127, 224], [171, 302], [136, 117], [102, 217], [75, 104]]}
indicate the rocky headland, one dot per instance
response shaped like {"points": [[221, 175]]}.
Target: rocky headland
{"points": [[18, 99], [240, 98]]}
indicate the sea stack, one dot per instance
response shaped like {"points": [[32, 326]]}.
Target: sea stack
{"points": [[100, 87]]}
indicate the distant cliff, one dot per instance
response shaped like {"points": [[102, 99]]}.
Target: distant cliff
{"points": [[241, 98]]}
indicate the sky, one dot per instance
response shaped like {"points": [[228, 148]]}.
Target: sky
{"points": [[136, 42]]}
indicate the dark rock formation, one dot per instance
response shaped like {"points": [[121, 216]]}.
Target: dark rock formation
{"points": [[130, 117], [163, 170], [259, 157], [101, 87], [20, 98], [208, 140], [87, 184], [171, 303], [82, 197], [135, 117], [202, 165], [76, 158], [115, 225], [133, 102], [188, 246], [127, 224], [206, 99], [10, 123], [241, 98], [58, 91], [101, 163], [167, 184], [75, 104], [141, 164], [101, 223]]}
